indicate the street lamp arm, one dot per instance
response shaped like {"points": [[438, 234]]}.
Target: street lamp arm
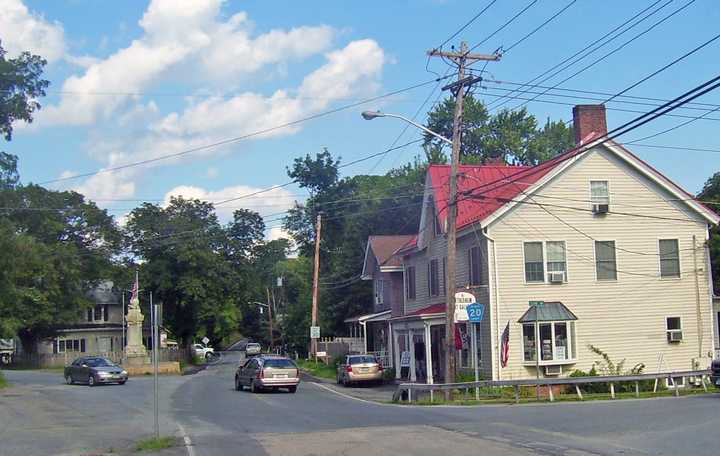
{"points": [[369, 115]]}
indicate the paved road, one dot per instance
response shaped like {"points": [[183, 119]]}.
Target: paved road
{"points": [[317, 421]]}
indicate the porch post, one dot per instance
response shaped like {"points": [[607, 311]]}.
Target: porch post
{"points": [[428, 354], [364, 327], [413, 376], [390, 346]]}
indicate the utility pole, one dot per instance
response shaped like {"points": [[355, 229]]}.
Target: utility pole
{"points": [[316, 279], [270, 317], [462, 59]]}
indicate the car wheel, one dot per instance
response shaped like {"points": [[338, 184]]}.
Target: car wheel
{"points": [[253, 389], [91, 380], [122, 382], [345, 382], [238, 385], [69, 380], [292, 389]]}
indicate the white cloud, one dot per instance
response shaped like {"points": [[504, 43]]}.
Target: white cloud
{"points": [[187, 33], [348, 72], [23, 30], [212, 172], [271, 204]]}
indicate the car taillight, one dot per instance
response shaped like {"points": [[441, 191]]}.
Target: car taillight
{"points": [[348, 368], [297, 373], [380, 367]]}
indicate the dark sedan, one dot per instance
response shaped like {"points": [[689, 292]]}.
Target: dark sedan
{"points": [[94, 370]]}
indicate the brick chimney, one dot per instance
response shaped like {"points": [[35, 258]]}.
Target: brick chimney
{"points": [[588, 119]]}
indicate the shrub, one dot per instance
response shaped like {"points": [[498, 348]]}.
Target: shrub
{"points": [[389, 375]]}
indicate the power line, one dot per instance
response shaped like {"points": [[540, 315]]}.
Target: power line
{"points": [[597, 41], [547, 21], [499, 29], [242, 137], [467, 24]]}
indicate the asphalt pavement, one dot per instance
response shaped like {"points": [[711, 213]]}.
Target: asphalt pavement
{"points": [[211, 418]]}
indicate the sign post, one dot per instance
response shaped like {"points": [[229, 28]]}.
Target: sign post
{"points": [[314, 336], [475, 314]]}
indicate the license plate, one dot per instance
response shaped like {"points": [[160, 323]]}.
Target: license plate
{"points": [[281, 376], [364, 369]]}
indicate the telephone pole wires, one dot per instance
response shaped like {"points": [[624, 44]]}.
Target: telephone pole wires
{"points": [[462, 59], [316, 278]]}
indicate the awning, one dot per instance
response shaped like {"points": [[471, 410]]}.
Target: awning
{"points": [[380, 316], [547, 311]]}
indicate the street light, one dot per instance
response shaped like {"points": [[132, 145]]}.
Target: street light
{"points": [[370, 115]]}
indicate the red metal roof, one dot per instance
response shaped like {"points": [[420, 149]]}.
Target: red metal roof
{"points": [[433, 309], [482, 189]]}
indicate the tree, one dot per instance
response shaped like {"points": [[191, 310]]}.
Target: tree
{"points": [[21, 85], [511, 136], [710, 195], [9, 176]]}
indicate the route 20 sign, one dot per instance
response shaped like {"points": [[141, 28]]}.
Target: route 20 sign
{"points": [[475, 312]]}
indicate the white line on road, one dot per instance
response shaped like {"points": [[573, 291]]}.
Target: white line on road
{"points": [[187, 441], [347, 396]]}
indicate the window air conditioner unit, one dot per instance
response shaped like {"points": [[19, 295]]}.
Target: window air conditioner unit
{"points": [[674, 336], [553, 370], [556, 276], [600, 208]]}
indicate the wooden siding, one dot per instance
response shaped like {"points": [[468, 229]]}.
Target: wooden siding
{"points": [[626, 317]]}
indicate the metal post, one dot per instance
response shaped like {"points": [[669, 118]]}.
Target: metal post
{"points": [[123, 326], [156, 359], [473, 347], [537, 353], [577, 390]]}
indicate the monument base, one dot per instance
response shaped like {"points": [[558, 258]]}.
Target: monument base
{"points": [[166, 367], [136, 360]]}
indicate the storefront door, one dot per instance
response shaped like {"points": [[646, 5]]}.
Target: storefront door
{"points": [[437, 337]]}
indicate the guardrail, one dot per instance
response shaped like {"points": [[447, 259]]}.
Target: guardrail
{"points": [[409, 388]]}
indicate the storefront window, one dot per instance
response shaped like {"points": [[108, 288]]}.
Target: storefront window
{"points": [[546, 351], [557, 341], [465, 360], [529, 342]]}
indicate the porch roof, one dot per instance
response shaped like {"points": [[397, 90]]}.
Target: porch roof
{"points": [[379, 316], [435, 309], [548, 311]]}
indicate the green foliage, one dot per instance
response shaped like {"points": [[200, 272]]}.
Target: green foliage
{"points": [[607, 367], [317, 368], [511, 136], [710, 193], [156, 443], [3, 382], [389, 375], [9, 176], [21, 85]]}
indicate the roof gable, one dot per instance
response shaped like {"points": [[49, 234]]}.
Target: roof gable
{"points": [[381, 251]]}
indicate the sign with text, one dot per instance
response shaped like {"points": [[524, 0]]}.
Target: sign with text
{"points": [[321, 354], [314, 332], [475, 312], [462, 300], [405, 359]]}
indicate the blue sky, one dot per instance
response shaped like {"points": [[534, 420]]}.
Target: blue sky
{"points": [[137, 80]]}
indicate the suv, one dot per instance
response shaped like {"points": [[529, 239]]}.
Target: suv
{"points": [[715, 373], [252, 349]]}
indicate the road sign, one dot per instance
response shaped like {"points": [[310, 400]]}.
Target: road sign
{"points": [[475, 312], [321, 354], [537, 303], [405, 359], [205, 340], [462, 300], [314, 332]]}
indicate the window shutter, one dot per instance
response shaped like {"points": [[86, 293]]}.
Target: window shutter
{"points": [[106, 308], [82, 345], [55, 347]]}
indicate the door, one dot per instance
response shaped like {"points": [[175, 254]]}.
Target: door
{"points": [[249, 371]]}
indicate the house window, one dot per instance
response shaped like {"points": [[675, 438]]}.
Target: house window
{"points": [[98, 313], [534, 267], [70, 345], [556, 341], [669, 258], [605, 263], [443, 290], [474, 266], [673, 324], [599, 192], [410, 282], [379, 291], [433, 278], [556, 257]]}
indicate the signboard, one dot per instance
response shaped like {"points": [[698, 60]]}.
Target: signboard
{"points": [[205, 340], [462, 300], [321, 354], [405, 359], [475, 312], [314, 332], [537, 303]]}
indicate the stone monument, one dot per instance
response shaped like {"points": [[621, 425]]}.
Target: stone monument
{"points": [[135, 352]]}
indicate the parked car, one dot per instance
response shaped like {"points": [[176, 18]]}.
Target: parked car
{"points": [[359, 369], [267, 372], [202, 351], [94, 370], [715, 373], [253, 349]]}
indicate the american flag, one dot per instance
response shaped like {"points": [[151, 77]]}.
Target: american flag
{"points": [[505, 347]]}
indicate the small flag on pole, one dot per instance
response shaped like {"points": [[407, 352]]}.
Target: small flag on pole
{"points": [[505, 347]]}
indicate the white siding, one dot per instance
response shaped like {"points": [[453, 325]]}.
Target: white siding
{"points": [[625, 318]]}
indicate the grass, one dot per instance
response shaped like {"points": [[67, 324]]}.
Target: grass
{"points": [[155, 443], [317, 369], [439, 398], [3, 382]]}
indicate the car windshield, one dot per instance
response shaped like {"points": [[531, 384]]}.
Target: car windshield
{"points": [[279, 363], [362, 359], [253, 345], [99, 362]]}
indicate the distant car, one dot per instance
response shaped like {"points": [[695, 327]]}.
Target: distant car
{"points": [[715, 373], [253, 349], [359, 369], [267, 372], [94, 370], [202, 351]]}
